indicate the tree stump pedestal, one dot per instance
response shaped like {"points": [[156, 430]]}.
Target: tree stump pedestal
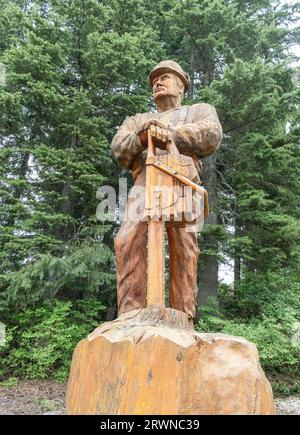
{"points": [[149, 361]]}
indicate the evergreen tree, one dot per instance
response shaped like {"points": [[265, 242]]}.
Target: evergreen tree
{"points": [[237, 51], [74, 69]]}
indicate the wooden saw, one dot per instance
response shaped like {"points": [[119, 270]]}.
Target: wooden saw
{"points": [[171, 195]]}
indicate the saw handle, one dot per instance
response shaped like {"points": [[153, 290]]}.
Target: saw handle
{"points": [[151, 147], [170, 146]]}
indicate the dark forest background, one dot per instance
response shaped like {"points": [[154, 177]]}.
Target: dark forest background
{"points": [[74, 71]]}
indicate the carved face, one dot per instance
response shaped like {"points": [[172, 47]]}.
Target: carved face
{"points": [[167, 84]]}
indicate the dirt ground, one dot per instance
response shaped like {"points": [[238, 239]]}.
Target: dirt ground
{"points": [[47, 398], [33, 398]]}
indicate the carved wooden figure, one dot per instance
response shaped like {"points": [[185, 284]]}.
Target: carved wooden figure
{"points": [[149, 360], [181, 136]]}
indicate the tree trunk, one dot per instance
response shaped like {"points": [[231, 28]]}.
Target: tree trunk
{"points": [[208, 271], [19, 190], [237, 271], [60, 232], [237, 258]]}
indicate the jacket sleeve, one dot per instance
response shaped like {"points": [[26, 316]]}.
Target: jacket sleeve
{"points": [[126, 144], [203, 136]]}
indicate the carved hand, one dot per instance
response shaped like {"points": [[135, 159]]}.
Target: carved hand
{"points": [[160, 134]]}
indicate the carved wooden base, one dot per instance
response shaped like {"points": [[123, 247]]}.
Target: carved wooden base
{"points": [[149, 362]]}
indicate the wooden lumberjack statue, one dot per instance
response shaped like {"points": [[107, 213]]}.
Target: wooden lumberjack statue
{"points": [[163, 151], [123, 367]]}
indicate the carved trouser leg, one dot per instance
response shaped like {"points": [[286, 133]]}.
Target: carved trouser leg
{"points": [[131, 262], [131, 252], [132, 256], [183, 262]]}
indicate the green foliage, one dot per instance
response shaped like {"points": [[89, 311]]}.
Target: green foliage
{"points": [[262, 295], [259, 171], [74, 70], [84, 271], [43, 339], [264, 309], [238, 56], [10, 382]]}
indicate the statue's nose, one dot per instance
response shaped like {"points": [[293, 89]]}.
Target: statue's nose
{"points": [[158, 83]]}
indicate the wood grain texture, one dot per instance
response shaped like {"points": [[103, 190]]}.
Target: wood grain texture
{"points": [[167, 200], [155, 272], [141, 364]]}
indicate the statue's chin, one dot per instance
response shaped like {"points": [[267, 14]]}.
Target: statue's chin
{"points": [[160, 94]]}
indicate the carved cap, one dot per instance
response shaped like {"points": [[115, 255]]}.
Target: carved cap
{"points": [[171, 66]]}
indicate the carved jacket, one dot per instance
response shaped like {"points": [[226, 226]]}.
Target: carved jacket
{"points": [[198, 134]]}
